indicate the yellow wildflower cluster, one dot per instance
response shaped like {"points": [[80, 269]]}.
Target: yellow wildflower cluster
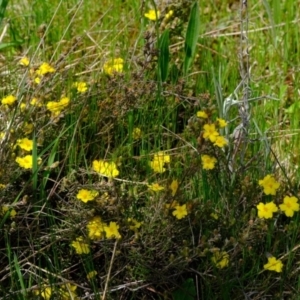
{"points": [[104, 168], [134, 224], [98, 229], [266, 210], [274, 265], [95, 228], [208, 162], [45, 292], [81, 86], [9, 100], [136, 133], [91, 274], [44, 69], [152, 14], [180, 211], [202, 114], [114, 65], [220, 259], [289, 206], [26, 162], [169, 14], [24, 61], [25, 144], [68, 291], [86, 195], [155, 187], [213, 135], [5, 209], [56, 107], [80, 246], [112, 231], [269, 184], [174, 187], [158, 162]]}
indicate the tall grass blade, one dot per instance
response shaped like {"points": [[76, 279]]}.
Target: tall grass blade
{"points": [[3, 5], [164, 55], [191, 38]]}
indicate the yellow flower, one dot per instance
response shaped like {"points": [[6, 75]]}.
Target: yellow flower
{"points": [[266, 210], [57, 107], [208, 162], [220, 141], [152, 15], [26, 161], [135, 224], [269, 184], [169, 14], [37, 80], [22, 106], [80, 246], [162, 156], [86, 195], [174, 187], [9, 100], [12, 213], [35, 102], [68, 292], [95, 228], [157, 166], [136, 133], [180, 211], [91, 274], [24, 61], [274, 265], [202, 114], [45, 292], [81, 87], [210, 132], [220, 259], [155, 187], [158, 162], [289, 206], [27, 128], [2, 186], [222, 123], [112, 230], [114, 65], [107, 169], [25, 144], [44, 69]]}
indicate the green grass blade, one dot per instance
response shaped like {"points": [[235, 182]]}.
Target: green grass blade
{"points": [[164, 55], [191, 38], [3, 5], [20, 276]]}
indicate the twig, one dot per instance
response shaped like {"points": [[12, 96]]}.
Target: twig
{"points": [[109, 270]]}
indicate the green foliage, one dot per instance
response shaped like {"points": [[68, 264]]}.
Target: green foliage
{"points": [[191, 38], [119, 180], [164, 55]]}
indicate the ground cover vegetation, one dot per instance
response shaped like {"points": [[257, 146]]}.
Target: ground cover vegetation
{"points": [[149, 150]]}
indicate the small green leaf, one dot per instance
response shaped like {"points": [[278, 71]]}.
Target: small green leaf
{"points": [[164, 55], [191, 38]]}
